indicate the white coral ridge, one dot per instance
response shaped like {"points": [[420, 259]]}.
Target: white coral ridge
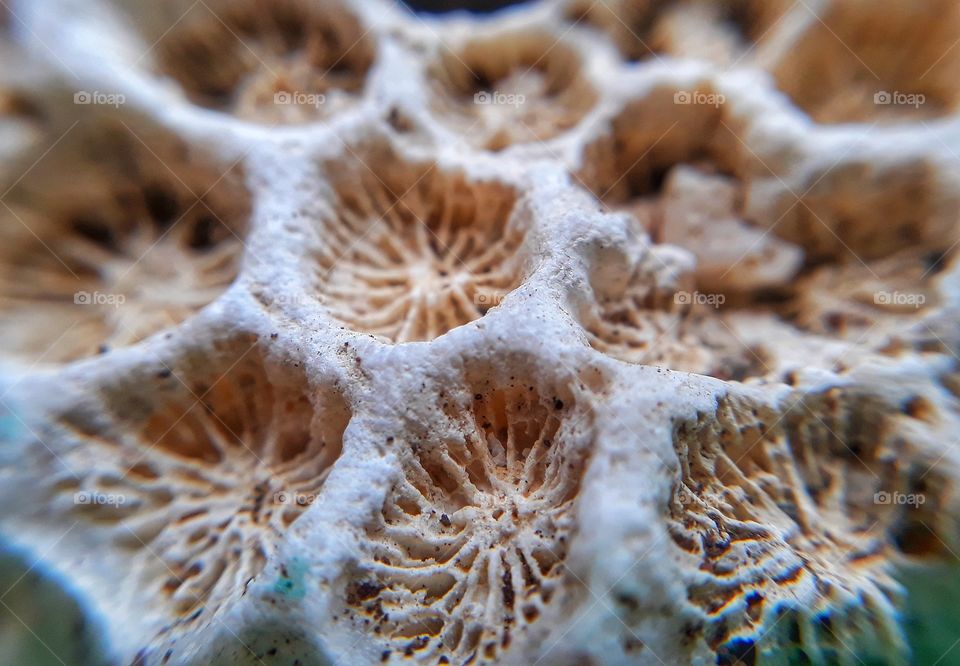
{"points": [[585, 333]]}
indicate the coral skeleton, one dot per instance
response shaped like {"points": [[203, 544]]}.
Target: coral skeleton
{"points": [[617, 332]]}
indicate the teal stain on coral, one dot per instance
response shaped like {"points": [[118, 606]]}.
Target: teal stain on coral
{"points": [[10, 427], [291, 581], [7, 427]]}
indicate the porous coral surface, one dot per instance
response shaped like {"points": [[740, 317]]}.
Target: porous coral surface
{"points": [[583, 333]]}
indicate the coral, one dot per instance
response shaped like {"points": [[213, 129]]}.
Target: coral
{"points": [[581, 333], [276, 62], [263, 440], [115, 240], [859, 77], [511, 87], [469, 545], [409, 251]]}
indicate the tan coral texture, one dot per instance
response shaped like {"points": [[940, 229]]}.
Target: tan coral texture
{"points": [[580, 332]]}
